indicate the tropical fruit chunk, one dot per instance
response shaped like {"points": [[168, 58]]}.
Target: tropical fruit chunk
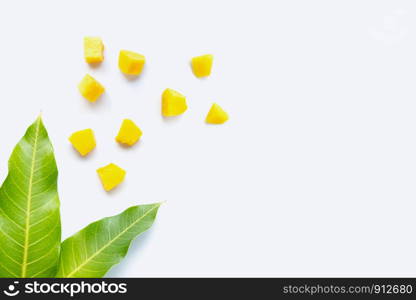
{"points": [[111, 176], [130, 63], [83, 141], [93, 50], [202, 65], [90, 88], [173, 103], [216, 115], [129, 133]]}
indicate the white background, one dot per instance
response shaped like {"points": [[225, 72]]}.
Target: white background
{"points": [[314, 174]]}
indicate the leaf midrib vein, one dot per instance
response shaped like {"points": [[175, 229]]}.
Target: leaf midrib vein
{"points": [[110, 242], [29, 201]]}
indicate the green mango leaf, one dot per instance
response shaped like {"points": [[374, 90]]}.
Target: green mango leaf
{"points": [[30, 225], [95, 249]]}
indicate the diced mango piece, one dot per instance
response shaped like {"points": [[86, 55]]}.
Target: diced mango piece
{"points": [[93, 50], [90, 88], [111, 176], [173, 103], [202, 65], [130, 63], [216, 115], [83, 141], [129, 133]]}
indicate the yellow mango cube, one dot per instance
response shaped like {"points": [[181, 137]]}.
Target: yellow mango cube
{"points": [[93, 50], [173, 103], [83, 141], [129, 133], [216, 115], [202, 65], [130, 63], [111, 176], [90, 88]]}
